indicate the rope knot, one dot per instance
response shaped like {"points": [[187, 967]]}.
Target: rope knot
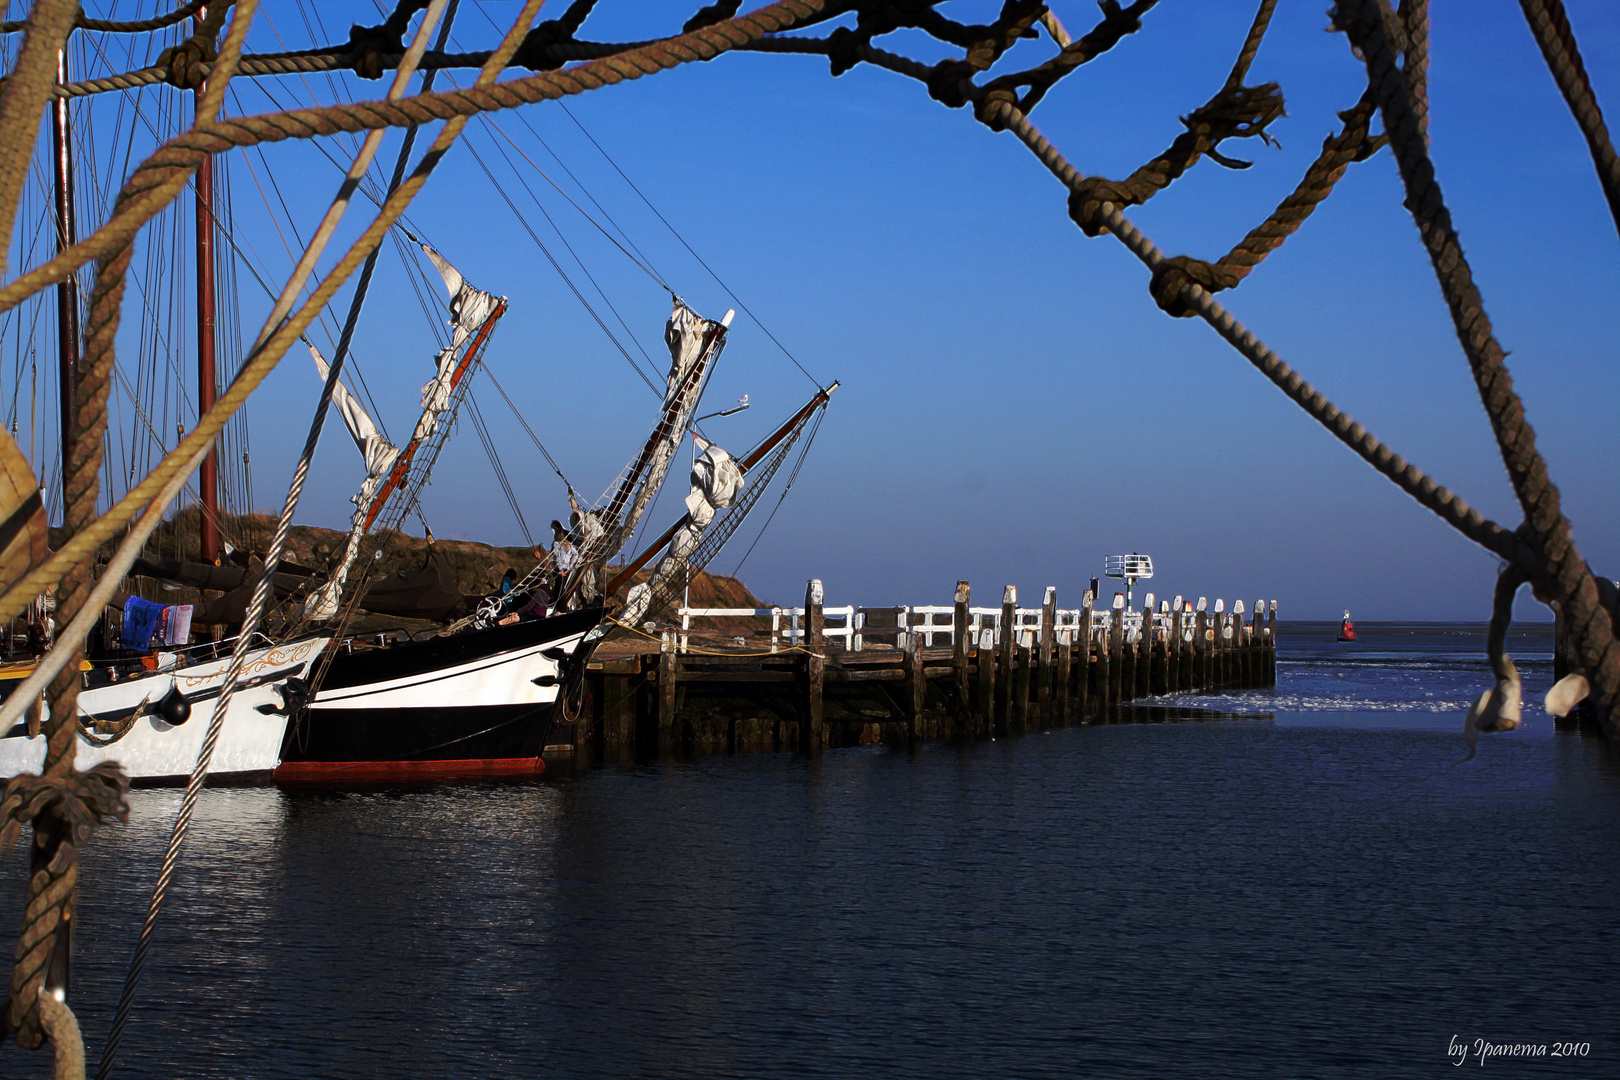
{"points": [[1177, 272], [950, 82], [1237, 112], [367, 47], [83, 800], [1087, 198], [539, 41], [844, 49], [187, 62], [990, 112]]}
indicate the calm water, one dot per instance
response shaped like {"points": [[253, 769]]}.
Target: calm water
{"points": [[1312, 887]]}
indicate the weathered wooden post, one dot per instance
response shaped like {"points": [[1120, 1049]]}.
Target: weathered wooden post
{"points": [[1023, 677], [1116, 649], [1185, 678], [815, 668], [917, 683], [1083, 690], [1047, 646], [960, 647], [1217, 655], [985, 715], [1271, 644], [668, 740], [1257, 645], [1172, 648], [1009, 641], [1063, 705], [1201, 644], [1240, 645], [1142, 686]]}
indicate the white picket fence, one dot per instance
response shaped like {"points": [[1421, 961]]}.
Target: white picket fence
{"points": [[935, 624]]}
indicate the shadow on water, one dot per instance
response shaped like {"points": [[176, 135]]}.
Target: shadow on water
{"points": [[1167, 712]]}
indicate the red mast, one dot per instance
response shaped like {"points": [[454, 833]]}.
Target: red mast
{"points": [[67, 293], [208, 475]]}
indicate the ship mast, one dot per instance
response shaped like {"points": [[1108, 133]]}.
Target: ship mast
{"points": [[67, 293], [208, 475]]}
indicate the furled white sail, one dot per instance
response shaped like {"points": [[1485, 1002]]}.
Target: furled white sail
{"points": [[470, 309], [717, 479], [689, 337], [379, 455]]}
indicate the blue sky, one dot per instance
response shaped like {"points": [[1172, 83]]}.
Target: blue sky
{"points": [[1014, 406]]}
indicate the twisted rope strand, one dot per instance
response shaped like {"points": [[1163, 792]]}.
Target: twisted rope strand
{"points": [[1441, 500], [1352, 144], [1591, 629], [22, 102], [113, 26], [393, 207], [51, 893], [1550, 25], [166, 172]]}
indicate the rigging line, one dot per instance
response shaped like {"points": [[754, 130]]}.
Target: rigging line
{"points": [[688, 247], [500, 470], [588, 275], [562, 273], [792, 478], [368, 188], [363, 286], [524, 120], [489, 120], [532, 436]]}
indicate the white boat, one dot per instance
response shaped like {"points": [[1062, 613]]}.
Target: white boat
{"points": [[141, 723]]}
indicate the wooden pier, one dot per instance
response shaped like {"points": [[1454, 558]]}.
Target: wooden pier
{"points": [[805, 679]]}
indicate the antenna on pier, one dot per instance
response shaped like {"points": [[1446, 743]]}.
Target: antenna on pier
{"points": [[1132, 568]]}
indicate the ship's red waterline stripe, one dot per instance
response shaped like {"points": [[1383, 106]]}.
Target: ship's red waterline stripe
{"points": [[387, 770]]}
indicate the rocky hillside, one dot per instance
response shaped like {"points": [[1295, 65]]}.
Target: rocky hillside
{"points": [[478, 567]]}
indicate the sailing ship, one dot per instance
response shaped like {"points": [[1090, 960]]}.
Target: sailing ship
{"points": [[148, 712], [481, 699], [478, 697]]}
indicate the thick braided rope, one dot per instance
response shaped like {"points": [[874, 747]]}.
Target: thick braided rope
{"points": [[144, 191], [51, 896], [164, 174], [1589, 623], [113, 26], [393, 206], [1116, 24], [1414, 24], [1443, 502], [82, 471], [22, 101], [1551, 28], [319, 60], [1251, 44], [1352, 144]]}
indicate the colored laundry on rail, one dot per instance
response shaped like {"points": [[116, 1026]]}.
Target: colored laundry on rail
{"points": [[140, 623]]}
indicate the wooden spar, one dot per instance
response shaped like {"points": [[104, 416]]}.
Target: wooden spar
{"points": [[672, 408], [208, 473], [67, 293], [754, 458], [402, 466]]}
